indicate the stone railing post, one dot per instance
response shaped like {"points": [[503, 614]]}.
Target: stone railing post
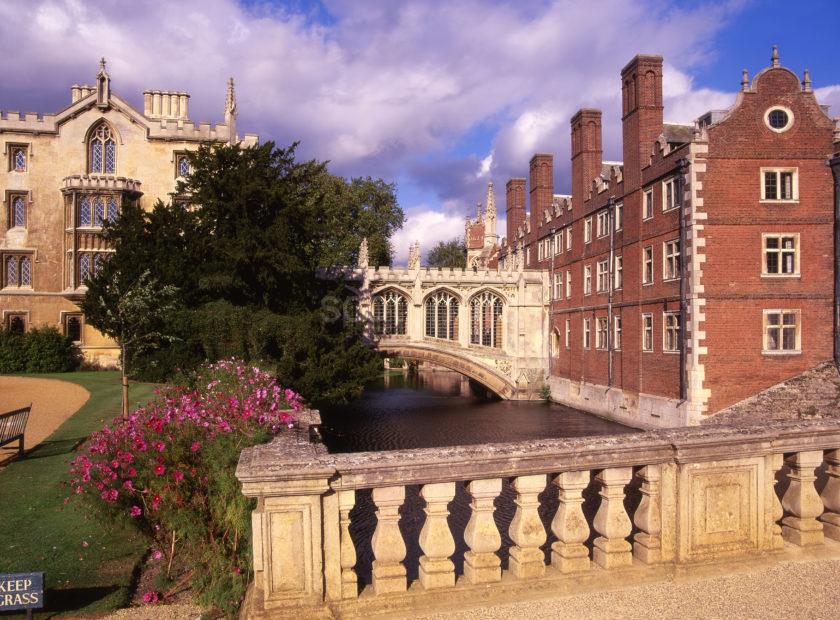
{"points": [[569, 525], [349, 581], [831, 495], [802, 502], [436, 569], [611, 521], [387, 543], [526, 530], [647, 545], [481, 564], [777, 511]]}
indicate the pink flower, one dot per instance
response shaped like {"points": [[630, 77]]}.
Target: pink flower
{"points": [[135, 511], [160, 469], [156, 554], [160, 446], [151, 597], [177, 475], [237, 570], [195, 447]]}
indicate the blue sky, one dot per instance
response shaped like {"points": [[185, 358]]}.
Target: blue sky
{"points": [[439, 97]]}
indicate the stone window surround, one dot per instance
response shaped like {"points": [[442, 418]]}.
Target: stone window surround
{"points": [[647, 214], [11, 194], [672, 183], [4, 256], [618, 273], [796, 254], [665, 328], [647, 329], [778, 170], [784, 109], [568, 333], [602, 328], [9, 152], [587, 230], [674, 255], [647, 260], [64, 316], [9, 314], [603, 276], [587, 279], [176, 160], [586, 333], [568, 284], [798, 337], [616, 333], [602, 223]]}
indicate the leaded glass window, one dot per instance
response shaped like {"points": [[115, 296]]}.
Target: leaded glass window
{"points": [[85, 218], [98, 211], [18, 211], [84, 268], [73, 328], [11, 271], [486, 320], [19, 158], [113, 209], [103, 151], [442, 316], [390, 311], [25, 272], [183, 167], [98, 261]]}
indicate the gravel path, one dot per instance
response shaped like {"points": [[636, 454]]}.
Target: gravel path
{"points": [[53, 401], [786, 590]]}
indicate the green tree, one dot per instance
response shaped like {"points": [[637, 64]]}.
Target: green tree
{"points": [[244, 255], [451, 253], [134, 311]]}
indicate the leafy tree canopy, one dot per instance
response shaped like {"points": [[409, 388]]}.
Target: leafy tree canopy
{"points": [[241, 242], [452, 253]]}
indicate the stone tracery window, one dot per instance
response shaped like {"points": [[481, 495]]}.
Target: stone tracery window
{"points": [[18, 270], [390, 311], [95, 210], [442, 316], [102, 151], [17, 212], [90, 264], [486, 319]]}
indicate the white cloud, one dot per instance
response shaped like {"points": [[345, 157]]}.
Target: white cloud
{"points": [[428, 226]]}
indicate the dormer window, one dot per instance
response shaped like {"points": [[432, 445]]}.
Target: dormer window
{"points": [[103, 151]]}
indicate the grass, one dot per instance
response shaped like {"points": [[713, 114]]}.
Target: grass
{"points": [[88, 563]]}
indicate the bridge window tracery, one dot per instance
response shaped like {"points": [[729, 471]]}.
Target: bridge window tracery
{"points": [[442, 316], [486, 320], [390, 312]]}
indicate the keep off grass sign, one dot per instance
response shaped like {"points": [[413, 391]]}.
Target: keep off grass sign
{"points": [[21, 591]]}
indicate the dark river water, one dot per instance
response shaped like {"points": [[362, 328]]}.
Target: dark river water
{"points": [[434, 408], [440, 408]]}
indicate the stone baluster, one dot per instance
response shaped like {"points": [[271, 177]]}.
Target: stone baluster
{"points": [[349, 581], [436, 569], [776, 461], [802, 502], [387, 543], [831, 495], [569, 525], [481, 564], [611, 521], [526, 530], [647, 544]]}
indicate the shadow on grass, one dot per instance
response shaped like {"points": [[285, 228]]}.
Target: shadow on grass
{"points": [[53, 448]]}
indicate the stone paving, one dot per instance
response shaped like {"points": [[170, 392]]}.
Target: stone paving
{"points": [[812, 395]]}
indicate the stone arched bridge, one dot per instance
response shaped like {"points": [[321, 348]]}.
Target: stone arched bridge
{"points": [[489, 325]]}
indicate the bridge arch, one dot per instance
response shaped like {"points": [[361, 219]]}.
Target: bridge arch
{"points": [[498, 383]]}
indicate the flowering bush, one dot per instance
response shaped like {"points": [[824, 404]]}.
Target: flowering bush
{"points": [[169, 468]]}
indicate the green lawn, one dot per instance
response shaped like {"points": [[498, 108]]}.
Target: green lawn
{"points": [[88, 562]]}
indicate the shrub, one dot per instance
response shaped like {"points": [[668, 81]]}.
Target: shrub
{"points": [[43, 349], [169, 468]]}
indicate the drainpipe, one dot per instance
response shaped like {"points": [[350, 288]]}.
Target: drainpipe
{"points": [[682, 167], [610, 275], [834, 162]]}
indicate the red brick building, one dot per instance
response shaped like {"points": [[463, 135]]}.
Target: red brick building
{"points": [[701, 269]]}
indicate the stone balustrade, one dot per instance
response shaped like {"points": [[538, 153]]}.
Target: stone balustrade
{"points": [[634, 505]]}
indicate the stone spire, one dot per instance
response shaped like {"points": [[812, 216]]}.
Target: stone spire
{"points": [[230, 111], [363, 260], [414, 255], [774, 57], [745, 81], [103, 86], [806, 81], [490, 236]]}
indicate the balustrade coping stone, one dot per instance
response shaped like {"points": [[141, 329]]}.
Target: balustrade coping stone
{"points": [[290, 458]]}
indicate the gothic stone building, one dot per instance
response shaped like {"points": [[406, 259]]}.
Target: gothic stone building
{"points": [[65, 174], [701, 269]]}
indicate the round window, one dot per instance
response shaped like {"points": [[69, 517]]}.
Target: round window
{"points": [[778, 119]]}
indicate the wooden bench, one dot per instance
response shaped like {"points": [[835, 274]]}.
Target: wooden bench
{"points": [[12, 426]]}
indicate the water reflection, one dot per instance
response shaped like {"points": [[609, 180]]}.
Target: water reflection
{"points": [[433, 408]]}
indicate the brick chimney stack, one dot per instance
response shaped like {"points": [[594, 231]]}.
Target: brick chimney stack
{"points": [[542, 186], [641, 97], [586, 153], [514, 208]]}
